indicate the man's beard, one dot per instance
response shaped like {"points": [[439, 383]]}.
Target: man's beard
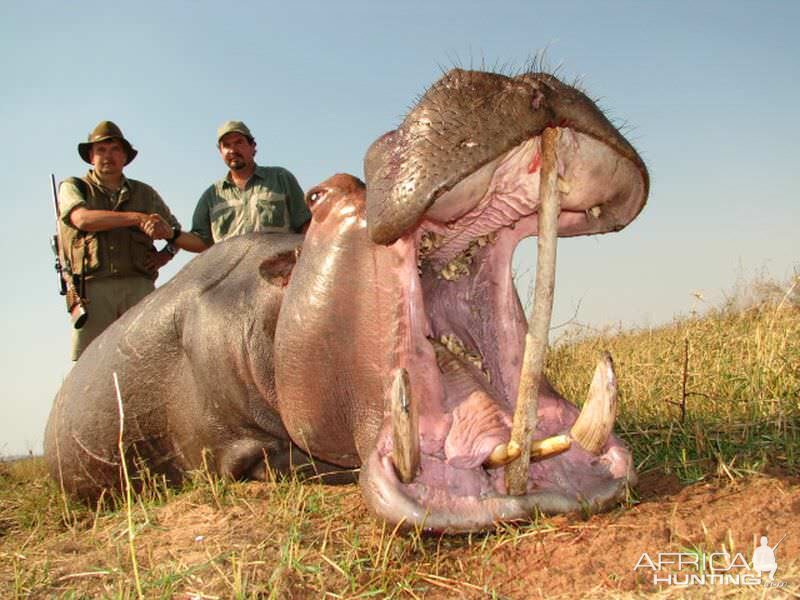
{"points": [[237, 163], [107, 168]]}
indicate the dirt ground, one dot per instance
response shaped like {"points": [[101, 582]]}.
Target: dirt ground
{"points": [[561, 557], [597, 556]]}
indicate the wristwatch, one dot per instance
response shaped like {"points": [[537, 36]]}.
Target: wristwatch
{"points": [[176, 231]]}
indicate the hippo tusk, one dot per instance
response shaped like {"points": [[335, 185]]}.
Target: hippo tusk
{"points": [[550, 446], [525, 413], [405, 428], [502, 455], [593, 426], [544, 448]]}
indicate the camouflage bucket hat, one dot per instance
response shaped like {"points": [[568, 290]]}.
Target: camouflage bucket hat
{"points": [[106, 130], [233, 127]]}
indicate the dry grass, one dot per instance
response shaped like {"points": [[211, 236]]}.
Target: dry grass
{"points": [[705, 395], [287, 539]]}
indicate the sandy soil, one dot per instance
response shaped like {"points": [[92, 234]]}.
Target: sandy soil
{"points": [[599, 554]]}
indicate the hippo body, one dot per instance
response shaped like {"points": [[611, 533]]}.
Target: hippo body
{"points": [[391, 335], [194, 364]]}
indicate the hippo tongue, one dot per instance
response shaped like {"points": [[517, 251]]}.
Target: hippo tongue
{"points": [[478, 423], [479, 426]]}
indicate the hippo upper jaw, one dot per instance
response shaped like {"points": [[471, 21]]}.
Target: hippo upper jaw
{"points": [[600, 191], [473, 127]]}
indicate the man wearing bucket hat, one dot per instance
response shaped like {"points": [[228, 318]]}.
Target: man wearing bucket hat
{"points": [[250, 197], [108, 224]]}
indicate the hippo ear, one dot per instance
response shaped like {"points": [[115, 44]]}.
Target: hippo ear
{"points": [[277, 269]]}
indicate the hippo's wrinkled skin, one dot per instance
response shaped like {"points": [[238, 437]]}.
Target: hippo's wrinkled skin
{"points": [[247, 355]]}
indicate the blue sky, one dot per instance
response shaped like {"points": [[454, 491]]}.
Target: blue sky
{"points": [[707, 92]]}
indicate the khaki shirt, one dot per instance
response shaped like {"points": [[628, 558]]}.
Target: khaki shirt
{"points": [[271, 201], [117, 252]]}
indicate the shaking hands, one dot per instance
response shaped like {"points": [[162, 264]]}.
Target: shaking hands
{"points": [[156, 227]]}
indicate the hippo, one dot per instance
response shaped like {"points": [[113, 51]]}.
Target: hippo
{"points": [[389, 339]]}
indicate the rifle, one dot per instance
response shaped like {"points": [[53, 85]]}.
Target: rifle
{"points": [[75, 294], [779, 542]]}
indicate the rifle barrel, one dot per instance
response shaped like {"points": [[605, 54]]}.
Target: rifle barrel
{"points": [[779, 541]]}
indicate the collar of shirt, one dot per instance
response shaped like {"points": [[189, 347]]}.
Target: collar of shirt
{"points": [[226, 182], [96, 180]]}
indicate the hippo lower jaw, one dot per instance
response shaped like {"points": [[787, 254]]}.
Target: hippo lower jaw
{"points": [[391, 500], [455, 488], [460, 336]]}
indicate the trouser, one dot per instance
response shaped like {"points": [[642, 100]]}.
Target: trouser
{"points": [[108, 297]]}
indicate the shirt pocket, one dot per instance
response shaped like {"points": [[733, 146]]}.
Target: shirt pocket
{"points": [[272, 210], [223, 220], [84, 254]]}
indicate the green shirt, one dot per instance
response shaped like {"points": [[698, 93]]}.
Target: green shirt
{"points": [[271, 201]]}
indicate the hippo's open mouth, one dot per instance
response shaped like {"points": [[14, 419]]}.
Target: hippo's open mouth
{"points": [[439, 459]]}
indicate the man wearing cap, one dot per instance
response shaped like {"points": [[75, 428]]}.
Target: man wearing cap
{"points": [[108, 224], [249, 198]]}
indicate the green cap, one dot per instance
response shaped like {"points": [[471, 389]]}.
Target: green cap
{"points": [[231, 127], [105, 130]]}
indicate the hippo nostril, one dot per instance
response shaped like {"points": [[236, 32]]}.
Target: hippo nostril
{"points": [[537, 99]]}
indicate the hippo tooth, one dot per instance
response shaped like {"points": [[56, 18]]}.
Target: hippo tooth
{"points": [[502, 455], [405, 428], [457, 347], [593, 426], [563, 185], [540, 449], [429, 242], [458, 266], [549, 446], [525, 412]]}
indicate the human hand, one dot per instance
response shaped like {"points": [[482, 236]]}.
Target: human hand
{"points": [[156, 227], [155, 260]]}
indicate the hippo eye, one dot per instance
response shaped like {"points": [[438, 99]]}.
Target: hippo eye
{"points": [[314, 197]]}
